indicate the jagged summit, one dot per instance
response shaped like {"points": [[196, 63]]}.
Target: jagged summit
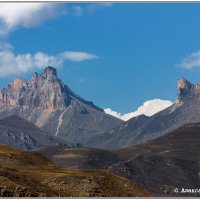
{"points": [[44, 90], [50, 71], [187, 89]]}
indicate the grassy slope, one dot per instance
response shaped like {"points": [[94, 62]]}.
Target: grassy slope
{"points": [[31, 174]]}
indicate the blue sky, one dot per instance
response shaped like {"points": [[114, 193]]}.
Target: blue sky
{"points": [[139, 49]]}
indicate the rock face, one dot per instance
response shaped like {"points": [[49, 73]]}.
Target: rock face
{"points": [[142, 129], [44, 91], [47, 102], [186, 89]]}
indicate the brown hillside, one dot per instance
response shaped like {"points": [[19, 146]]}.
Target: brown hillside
{"points": [[30, 174]]}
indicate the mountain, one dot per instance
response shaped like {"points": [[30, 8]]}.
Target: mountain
{"points": [[30, 174], [148, 108], [142, 129], [48, 103], [166, 163], [21, 134], [42, 91]]}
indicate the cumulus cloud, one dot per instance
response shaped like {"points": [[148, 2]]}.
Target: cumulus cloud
{"points": [[113, 113], [26, 14], [14, 15], [148, 108], [191, 61], [10, 63]]}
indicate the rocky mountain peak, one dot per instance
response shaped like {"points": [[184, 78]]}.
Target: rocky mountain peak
{"points": [[184, 84], [44, 90], [186, 89], [50, 71]]}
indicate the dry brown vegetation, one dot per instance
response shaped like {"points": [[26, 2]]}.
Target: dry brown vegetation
{"points": [[30, 174]]}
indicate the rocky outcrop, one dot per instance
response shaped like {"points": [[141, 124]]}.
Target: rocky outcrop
{"points": [[187, 89], [42, 91]]}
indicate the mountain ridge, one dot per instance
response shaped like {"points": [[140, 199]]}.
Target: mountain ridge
{"points": [[44, 90], [185, 110]]}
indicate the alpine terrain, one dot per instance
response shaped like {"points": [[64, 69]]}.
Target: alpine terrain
{"points": [[142, 128], [48, 103]]}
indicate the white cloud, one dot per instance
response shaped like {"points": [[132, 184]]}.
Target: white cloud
{"points": [[113, 113], [148, 108], [25, 15], [14, 15], [30, 14], [77, 56], [190, 61], [22, 63]]}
